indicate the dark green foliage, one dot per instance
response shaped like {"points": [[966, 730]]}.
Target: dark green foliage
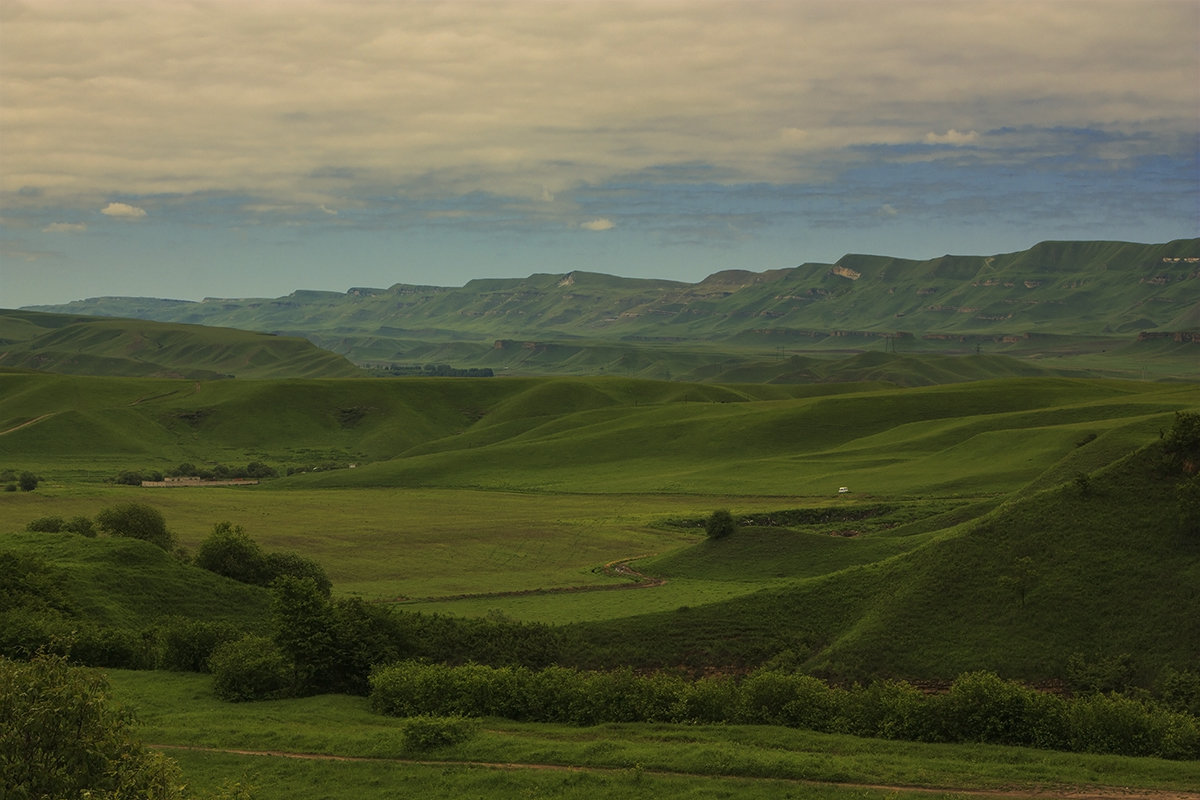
{"points": [[46, 524], [1100, 674], [80, 525], [1187, 495], [720, 524], [980, 707], [129, 478], [136, 521], [1181, 442], [229, 551], [250, 668], [423, 732], [187, 644], [496, 642], [292, 565], [28, 481], [302, 623], [63, 737], [1179, 690]]}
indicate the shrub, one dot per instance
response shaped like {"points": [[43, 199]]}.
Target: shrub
{"points": [[46, 525], [1179, 690], [719, 524], [1119, 725], [63, 737], [28, 481], [186, 645], [250, 668], [887, 710], [291, 565], [136, 521], [81, 526], [230, 552], [422, 733]]}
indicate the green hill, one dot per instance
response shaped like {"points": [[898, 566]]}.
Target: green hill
{"points": [[1103, 574], [968, 540], [78, 345], [1103, 305]]}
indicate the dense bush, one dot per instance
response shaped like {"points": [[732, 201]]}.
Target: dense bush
{"points": [[63, 737], [185, 645], [230, 551], [251, 668], [79, 525], [980, 707], [46, 525], [422, 733], [719, 524], [136, 521]]}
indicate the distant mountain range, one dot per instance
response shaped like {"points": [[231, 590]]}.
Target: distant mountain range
{"points": [[1067, 298]]}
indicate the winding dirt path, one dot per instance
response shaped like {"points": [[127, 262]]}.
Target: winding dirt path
{"points": [[33, 421], [1014, 793], [617, 569]]}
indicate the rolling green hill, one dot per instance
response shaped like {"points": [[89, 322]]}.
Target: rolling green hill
{"points": [[1105, 305], [79, 345], [968, 540]]}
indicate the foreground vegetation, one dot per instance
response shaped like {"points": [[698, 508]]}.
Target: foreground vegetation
{"points": [[995, 531]]}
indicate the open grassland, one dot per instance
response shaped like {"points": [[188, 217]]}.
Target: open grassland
{"points": [[472, 495], [506, 759], [967, 542]]}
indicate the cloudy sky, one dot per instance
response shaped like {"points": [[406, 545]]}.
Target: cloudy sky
{"points": [[240, 148]]}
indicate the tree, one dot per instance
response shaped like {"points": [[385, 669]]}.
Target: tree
{"points": [[297, 566], [303, 626], [136, 521], [63, 737], [229, 551], [28, 481], [720, 524]]}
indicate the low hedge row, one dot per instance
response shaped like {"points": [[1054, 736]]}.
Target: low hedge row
{"points": [[979, 707]]}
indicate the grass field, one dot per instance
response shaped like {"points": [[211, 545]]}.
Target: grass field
{"points": [[627, 760], [508, 498]]}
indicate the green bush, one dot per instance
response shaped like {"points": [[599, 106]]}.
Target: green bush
{"points": [[250, 668], [720, 524], [63, 737], [46, 525], [1179, 690], [81, 526], [1113, 723], [230, 552], [186, 645], [423, 732], [136, 521]]}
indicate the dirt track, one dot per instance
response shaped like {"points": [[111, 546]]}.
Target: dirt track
{"points": [[1013, 793]]}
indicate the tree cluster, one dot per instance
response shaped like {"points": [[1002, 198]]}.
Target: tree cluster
{"points": [[25, 481], [229, 551]]}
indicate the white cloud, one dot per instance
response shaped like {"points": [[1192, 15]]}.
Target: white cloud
{"points": [[65, 227], [123, 210], [315, 102], [953, 137], [600, 224], [888, 210]]}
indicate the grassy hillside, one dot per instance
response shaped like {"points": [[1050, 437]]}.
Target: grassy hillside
{"points": [[79, 345], [966, 541], [1103, 573], [1059, 299]]}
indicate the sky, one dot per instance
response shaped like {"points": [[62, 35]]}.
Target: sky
{"points": [[248, 148]]}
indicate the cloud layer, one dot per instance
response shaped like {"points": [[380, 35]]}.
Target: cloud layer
{"points": [[307, 106]]}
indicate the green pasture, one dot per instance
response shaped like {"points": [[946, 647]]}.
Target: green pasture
{"points": [[626, 760]]}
